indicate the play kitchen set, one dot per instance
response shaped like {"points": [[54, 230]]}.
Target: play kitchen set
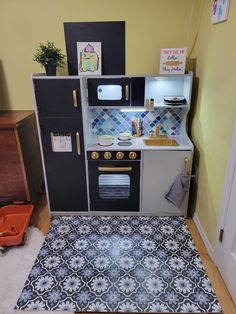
{"points": [[115, 144]]}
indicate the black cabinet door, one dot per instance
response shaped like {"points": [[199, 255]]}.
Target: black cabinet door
{"points": [[109, 91], [63, 149], [137, 91], [57, 97]]}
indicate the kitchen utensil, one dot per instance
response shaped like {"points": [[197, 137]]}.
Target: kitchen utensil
{"points": [[136, 127], [105, 140]]}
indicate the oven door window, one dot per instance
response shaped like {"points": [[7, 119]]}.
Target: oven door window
{"points": [[114, 186]]}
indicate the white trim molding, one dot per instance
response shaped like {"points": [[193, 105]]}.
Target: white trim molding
{"points": [[204, 237], [229, 176]]}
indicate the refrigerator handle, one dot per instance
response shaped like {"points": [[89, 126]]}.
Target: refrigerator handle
{"points": [[78, 143], [75, 102]]}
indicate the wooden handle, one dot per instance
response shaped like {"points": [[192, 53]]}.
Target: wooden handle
{"points": [[75, 103], [127, 92], [186, 166], [114, 169], [78, 143]]}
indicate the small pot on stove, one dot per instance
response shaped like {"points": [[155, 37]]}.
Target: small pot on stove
{"points": [[105, 140]]}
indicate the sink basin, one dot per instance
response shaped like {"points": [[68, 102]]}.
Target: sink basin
{"points": [[160, 142]]}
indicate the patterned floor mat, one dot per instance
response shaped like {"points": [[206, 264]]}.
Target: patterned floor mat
{"points": [[119, 264]]}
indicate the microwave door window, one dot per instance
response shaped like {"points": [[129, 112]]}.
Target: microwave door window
{"points": [[109, 92], [114, 186]]}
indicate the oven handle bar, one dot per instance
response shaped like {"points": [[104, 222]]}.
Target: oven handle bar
{"points": [[114, 169]]}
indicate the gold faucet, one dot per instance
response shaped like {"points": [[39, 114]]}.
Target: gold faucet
{"points": [[157, 131]]}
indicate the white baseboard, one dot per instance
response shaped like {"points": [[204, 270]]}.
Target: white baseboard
{"points": [[203, 235]]}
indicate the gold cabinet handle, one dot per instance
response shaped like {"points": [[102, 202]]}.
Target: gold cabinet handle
{"points": [[186, 166], [74, 94], [78, 143], [114, 169], [127, 92]]}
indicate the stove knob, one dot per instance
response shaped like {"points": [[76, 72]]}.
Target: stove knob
{"points": [[94, 155], [107, 155], [119, 155], [132, 155]]}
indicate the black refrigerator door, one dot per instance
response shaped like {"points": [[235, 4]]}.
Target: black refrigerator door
{"points": [[57, 97], [109, 91], [63, 149]]}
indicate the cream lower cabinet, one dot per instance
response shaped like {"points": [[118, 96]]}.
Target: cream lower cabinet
{"points": [[159, 171]]}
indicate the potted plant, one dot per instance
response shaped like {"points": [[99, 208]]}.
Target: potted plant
{"points": [[50, 57]]}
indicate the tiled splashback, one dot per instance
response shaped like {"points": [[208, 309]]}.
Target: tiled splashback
{"points": [[113, 121]]}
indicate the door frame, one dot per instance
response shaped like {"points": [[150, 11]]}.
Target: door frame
{"points": [[229, 177]]}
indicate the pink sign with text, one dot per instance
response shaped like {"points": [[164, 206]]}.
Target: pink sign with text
{"points": [[173, 60]]}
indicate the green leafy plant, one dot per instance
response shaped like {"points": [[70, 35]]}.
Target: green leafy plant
{"points": [[49, 54]]}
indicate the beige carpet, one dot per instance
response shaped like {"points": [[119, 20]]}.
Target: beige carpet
{"points": [[15, 267]]}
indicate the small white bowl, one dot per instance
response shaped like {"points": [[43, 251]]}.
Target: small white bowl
{"points": [[105, 140]]}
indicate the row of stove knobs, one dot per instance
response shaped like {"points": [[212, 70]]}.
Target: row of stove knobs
{"points": [[108, 155]]}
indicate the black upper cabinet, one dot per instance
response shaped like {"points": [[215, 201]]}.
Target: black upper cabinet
{"points": [[58, 97], [137, 91]]}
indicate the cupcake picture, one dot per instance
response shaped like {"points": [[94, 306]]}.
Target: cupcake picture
{"points": [[89, 58]]}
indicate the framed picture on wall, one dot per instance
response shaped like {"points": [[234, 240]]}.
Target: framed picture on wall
{"points": [[173, 60], [89, 58], [220, 11]]}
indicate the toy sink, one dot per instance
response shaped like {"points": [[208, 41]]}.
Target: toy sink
{"points": [[14, 220], [160, 142]]}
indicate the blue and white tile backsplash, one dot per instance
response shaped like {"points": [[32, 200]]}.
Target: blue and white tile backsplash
{"points": [[113, 121]]}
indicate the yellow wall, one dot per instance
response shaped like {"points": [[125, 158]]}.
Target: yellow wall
{"points": [[215, 111], [150, 26]]}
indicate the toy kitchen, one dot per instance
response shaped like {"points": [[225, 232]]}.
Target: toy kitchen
{"points": [[115, 144]]}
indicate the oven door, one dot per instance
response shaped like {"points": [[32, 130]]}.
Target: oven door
{"points": [[114, 185]]}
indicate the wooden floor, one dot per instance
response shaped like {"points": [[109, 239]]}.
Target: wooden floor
{"points": [[41, 219], [212, 271]]}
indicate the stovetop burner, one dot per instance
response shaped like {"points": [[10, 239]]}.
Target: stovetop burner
{"points": [[124, 143], [105, 145]]}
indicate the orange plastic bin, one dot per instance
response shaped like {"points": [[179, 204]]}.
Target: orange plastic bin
{"points": [[14, 220]]}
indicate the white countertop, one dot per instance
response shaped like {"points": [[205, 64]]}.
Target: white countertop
{"points": [[184, 143]]}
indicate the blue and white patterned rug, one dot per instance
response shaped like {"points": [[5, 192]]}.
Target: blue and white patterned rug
{"points": [[119, 264]]}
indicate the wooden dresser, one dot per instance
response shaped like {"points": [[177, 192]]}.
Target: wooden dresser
{"points": [[21, 173]]}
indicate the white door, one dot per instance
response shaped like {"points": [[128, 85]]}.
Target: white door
{"points": [[225, 250]]}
